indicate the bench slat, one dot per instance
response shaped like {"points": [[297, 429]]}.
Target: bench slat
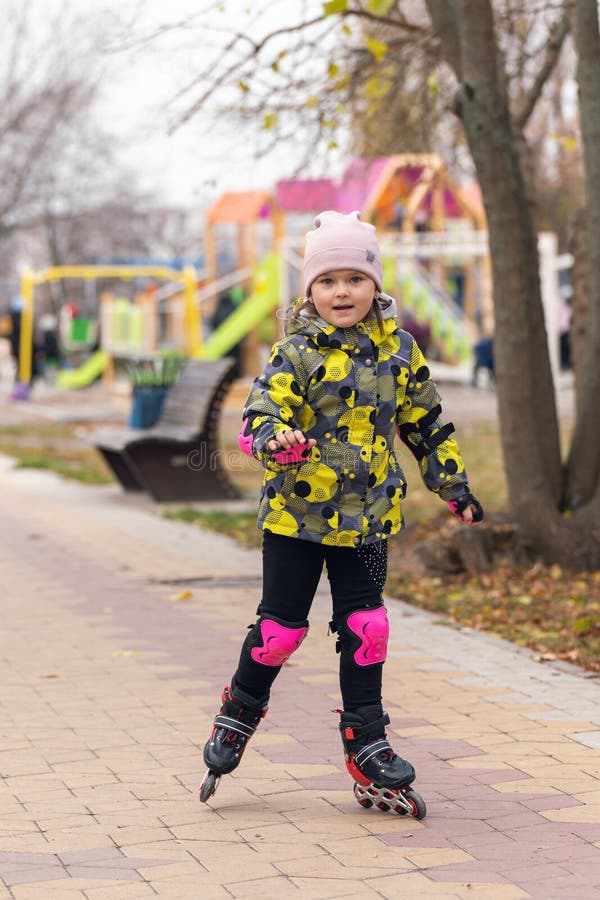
{"points": [[156, 459]]}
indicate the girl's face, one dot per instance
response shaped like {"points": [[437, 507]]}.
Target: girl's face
{"points": [[343, 297]]}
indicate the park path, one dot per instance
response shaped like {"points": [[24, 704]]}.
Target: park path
{"points": [[119, 629]]}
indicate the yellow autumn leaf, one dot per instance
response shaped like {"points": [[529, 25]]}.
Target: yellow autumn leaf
{"points": [[341, 83], [269, 121], [380, 7], [377, 48], [376, 88], [567, 141], [433, 84], [184, 595], [331, 7]]}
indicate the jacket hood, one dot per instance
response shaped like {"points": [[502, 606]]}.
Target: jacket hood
{"points": [[326, 335]]}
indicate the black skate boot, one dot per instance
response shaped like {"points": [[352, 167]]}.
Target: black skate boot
{"points": [[234, 725], [382, 778]]}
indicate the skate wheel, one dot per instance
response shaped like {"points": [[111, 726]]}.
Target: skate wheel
{"points": [[417, 803], [362, 795], [403, 801], [382, 805], [208, 786]]}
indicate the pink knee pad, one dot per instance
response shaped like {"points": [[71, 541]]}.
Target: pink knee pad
{"points": [[279, 642], [371, 626]]}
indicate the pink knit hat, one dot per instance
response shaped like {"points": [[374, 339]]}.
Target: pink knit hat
{"points": [[338, 241]]}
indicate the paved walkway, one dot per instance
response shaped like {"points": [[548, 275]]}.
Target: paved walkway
{"points": [[119, 630]]}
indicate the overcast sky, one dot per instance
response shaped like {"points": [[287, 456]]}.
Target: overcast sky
{"points": [[194, 163]]}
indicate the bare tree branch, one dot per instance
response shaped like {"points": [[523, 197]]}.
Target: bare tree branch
{"points": [[236, 66], [553, 50], [257, 46], [444, 16]]}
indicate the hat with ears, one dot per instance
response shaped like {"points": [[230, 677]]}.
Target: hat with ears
{"points": [[339, 241]]}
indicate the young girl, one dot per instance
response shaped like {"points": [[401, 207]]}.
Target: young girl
{"points": [[322, 419]]}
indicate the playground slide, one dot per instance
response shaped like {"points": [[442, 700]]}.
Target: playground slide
{"points": [[429, 304], [83, 376], [263, 299]]}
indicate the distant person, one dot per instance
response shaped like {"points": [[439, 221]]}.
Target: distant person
{"points": [[419, 330], [484, 360], [564, 334], [21, 390], [322, 419], [398, 215], [50, 343], [228, 302]]}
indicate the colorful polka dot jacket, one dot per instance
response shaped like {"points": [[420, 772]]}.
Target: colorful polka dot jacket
{"points": [[352, 390]]}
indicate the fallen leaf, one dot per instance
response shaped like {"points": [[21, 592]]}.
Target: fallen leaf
{"points": [[184, 595], [52, 675]]}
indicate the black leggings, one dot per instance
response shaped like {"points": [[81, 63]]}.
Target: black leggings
{"points": [[291, 572]]}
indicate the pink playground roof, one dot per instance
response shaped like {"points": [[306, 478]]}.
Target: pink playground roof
{"points": [[360, 178], [366, 183], [315, 194], [306, 194]]}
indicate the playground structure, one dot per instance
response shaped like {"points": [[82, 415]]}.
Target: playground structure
{"points": [[126, 329], [435, 260], [244, 213], [432, 234], [428, 227]]}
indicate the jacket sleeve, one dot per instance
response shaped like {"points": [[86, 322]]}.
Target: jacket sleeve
{"points": [[420, 428], [273, 405]]}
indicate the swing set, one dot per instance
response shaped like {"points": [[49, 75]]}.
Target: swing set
{"points": [[191, 330]]}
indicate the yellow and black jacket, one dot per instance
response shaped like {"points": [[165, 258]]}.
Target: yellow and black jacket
{"points": [[352, 390]]}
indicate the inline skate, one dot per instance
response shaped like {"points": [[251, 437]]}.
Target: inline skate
{"points": [[381, 777], [234, 725]]}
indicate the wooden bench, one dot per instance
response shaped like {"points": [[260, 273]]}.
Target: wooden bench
{"points": [[179, 457]]}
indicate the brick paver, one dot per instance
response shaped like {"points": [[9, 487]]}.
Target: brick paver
{"points": [[109, 677]]}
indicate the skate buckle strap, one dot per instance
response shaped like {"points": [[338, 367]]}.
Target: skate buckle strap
{"points": [[366, 753], [368, 729], [234, 725]]}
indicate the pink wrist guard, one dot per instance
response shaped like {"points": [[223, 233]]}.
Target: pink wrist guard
{"points": [[458, 506], [294, 455]]}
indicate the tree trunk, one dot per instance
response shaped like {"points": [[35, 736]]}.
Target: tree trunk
{"points": [[527, 410], [528, 420], [580, 301], [583, 468]]}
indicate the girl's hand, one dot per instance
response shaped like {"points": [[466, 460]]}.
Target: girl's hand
{"points": [[466, 508], [285, 440], [468, 516]]}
